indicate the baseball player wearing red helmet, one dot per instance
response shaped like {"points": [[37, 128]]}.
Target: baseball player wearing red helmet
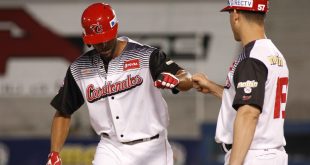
{"points": [[250, 122], [119, 81]]}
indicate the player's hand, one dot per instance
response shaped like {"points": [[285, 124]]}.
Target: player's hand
{"points": [[53, 159], [200, 82], [166, 81]]}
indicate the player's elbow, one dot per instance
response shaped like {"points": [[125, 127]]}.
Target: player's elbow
{"points": [[249, 112]]}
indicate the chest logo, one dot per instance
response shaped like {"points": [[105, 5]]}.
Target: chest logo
{"points": [[131, 64], [95, 93]]}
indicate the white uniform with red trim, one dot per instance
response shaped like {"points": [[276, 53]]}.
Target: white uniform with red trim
{"points": [[124, 106], [259, 77]]}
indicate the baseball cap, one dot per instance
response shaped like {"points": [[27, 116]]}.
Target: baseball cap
{"points": [[248, 5]]}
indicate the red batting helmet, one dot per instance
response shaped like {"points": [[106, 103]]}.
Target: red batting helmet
{"points": [[100, 23], [248, 5]]}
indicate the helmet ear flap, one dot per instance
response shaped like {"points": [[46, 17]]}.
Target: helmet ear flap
{"points": [[83, 36]]}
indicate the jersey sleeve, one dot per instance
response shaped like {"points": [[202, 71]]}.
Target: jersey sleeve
{"points": [[160, 62], [69, 97], [249, 78]]}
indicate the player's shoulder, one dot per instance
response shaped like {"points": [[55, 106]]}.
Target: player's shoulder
{"points": [[85, 60], [87, 56], [133, 45], [261, 48], [265, 51]]}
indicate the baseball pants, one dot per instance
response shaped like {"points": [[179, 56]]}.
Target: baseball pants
{"points": [[153, 152], [263, 157]]}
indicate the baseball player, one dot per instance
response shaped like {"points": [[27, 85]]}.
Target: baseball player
{"points": [[250, 122], [119, 81]]}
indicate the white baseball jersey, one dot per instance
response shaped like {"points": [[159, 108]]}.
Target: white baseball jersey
{"points": [[259, 77], [122, 101]]}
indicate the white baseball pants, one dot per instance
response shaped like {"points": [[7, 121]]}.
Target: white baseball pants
{"points": [[154, 152], [263, 157]]}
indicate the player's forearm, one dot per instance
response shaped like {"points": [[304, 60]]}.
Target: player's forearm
{"points": [[216, 89], [59, 132], [186, 82], [244, 129]]}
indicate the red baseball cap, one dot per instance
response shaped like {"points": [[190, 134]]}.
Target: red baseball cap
{"points": [[248, 5]]}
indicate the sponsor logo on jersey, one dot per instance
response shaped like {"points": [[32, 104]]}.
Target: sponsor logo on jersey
{"points": [[247, 84], [113, 22], [275, 60], [93, 94], [131, 64], [241, 3]]}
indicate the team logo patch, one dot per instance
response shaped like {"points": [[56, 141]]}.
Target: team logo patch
{"points": [[275, 60], [131, 64], [247, 90], [96, 28]]}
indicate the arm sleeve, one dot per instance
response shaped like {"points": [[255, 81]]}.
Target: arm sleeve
{"points": [[249, 80], [69, 97], [160, 62]]}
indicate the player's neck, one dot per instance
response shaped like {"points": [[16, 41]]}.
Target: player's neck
{"points": [[120, 46], [251, 33], [117, 51]]}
